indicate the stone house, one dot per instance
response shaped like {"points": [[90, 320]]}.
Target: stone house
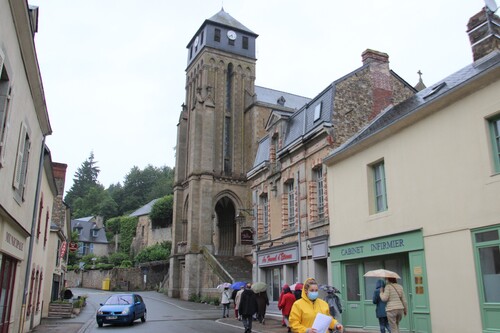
{"points": [[147, 233], [417, 192], [91, 236], [288, 180]]}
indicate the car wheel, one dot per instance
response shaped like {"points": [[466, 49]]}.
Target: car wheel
{"points": [[143, 318], [99, 323]]}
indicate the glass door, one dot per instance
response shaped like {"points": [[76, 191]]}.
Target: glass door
{"points": [[7, 278], [353, 314]]}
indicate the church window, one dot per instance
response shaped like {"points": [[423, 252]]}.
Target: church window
{"points": [[217, 35], [230, 41], [244, 42], [227, 122], [201, 37]]}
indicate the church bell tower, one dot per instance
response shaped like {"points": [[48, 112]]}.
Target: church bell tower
{"points": [[212, 155]]}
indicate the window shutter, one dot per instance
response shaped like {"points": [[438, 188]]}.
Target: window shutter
{"points": [[2, 57], [19, 159]]}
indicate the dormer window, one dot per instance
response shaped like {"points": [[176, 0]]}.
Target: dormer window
{"points": [[317, 111], [281, 101], [95, 232]]}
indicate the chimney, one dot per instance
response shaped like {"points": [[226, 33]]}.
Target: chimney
{"points": [[59, 210], [381, 81], [371, 55], [484, 33]]}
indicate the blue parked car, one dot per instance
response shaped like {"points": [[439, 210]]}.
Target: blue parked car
{"points": [[121, 309]]}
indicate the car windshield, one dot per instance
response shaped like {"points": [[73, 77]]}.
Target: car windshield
{"points": [[120, 300]]}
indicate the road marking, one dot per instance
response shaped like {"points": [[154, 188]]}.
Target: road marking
{"points": [[180, 307]]}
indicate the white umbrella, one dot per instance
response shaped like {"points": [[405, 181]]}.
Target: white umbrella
{"points": [[224, 285], [382, 273]]}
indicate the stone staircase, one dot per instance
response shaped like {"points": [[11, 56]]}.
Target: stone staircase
{"points": [[229, 268], [239, 268]]}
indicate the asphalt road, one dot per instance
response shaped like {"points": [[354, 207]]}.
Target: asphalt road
{"points": [[164, 315]]}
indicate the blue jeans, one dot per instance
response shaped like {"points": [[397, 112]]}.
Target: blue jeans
{"points": [[384, 324]]}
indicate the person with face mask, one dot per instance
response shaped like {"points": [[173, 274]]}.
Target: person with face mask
{"points": [[304, 310]]}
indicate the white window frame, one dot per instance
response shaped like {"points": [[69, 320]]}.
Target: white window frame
{"points": [[380, 189], [22, 160], [5, 96], [320, 192], [265, 214], [291, 203]]}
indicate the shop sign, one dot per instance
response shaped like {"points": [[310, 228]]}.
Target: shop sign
{"points": [[12, 242], [247, 237], [380, 246], [62, 251], [278, 258], [73, 246]]}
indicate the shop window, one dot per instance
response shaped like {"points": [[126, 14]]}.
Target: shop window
{"points": [[487, 245], [494, 125], [7, 281], [273, 279]]}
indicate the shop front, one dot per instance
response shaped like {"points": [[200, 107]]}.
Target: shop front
{"points": [[12, 247], [402, 253], [277, 266]]}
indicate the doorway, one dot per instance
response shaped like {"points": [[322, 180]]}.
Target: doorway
{"points": [[226, 218]]}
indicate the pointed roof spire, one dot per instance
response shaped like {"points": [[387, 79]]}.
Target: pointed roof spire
{"points": [[420, 85], [223, 18]]}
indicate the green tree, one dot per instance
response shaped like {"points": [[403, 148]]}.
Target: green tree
{"points": [[84, 179], [117, 258], [142, 186], [162, 212]]}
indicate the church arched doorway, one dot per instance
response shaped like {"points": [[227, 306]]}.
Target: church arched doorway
{"points": [[225, 211]]}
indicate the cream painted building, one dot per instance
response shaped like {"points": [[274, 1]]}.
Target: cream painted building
{"points": [[24, 124], [417, 191]]}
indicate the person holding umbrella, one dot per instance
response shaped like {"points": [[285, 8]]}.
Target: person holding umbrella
{"points": [[247, 307], [260, 289], [396, 306], [304, 310], [380, 307]]}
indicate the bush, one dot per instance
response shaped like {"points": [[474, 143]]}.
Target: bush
{"points": [[116, 258], [154, 252], [162, 212], [103, 266], [194, 298], [126, 264]]}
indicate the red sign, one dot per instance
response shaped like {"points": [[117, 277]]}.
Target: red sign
{"points": [[62, 251], [278, 258], [73, 246]]}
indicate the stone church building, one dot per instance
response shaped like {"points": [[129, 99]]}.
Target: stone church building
{"points": [[240, 147]]}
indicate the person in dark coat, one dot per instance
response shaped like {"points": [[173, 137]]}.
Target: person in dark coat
{"points": [[262, 303], [380, 308], [247, 307]]}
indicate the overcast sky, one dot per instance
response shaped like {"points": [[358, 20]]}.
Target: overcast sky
{"points": [[114, 71]]}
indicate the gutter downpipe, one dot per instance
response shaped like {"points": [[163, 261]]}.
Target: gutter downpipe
{"points": [[30, 249]]}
